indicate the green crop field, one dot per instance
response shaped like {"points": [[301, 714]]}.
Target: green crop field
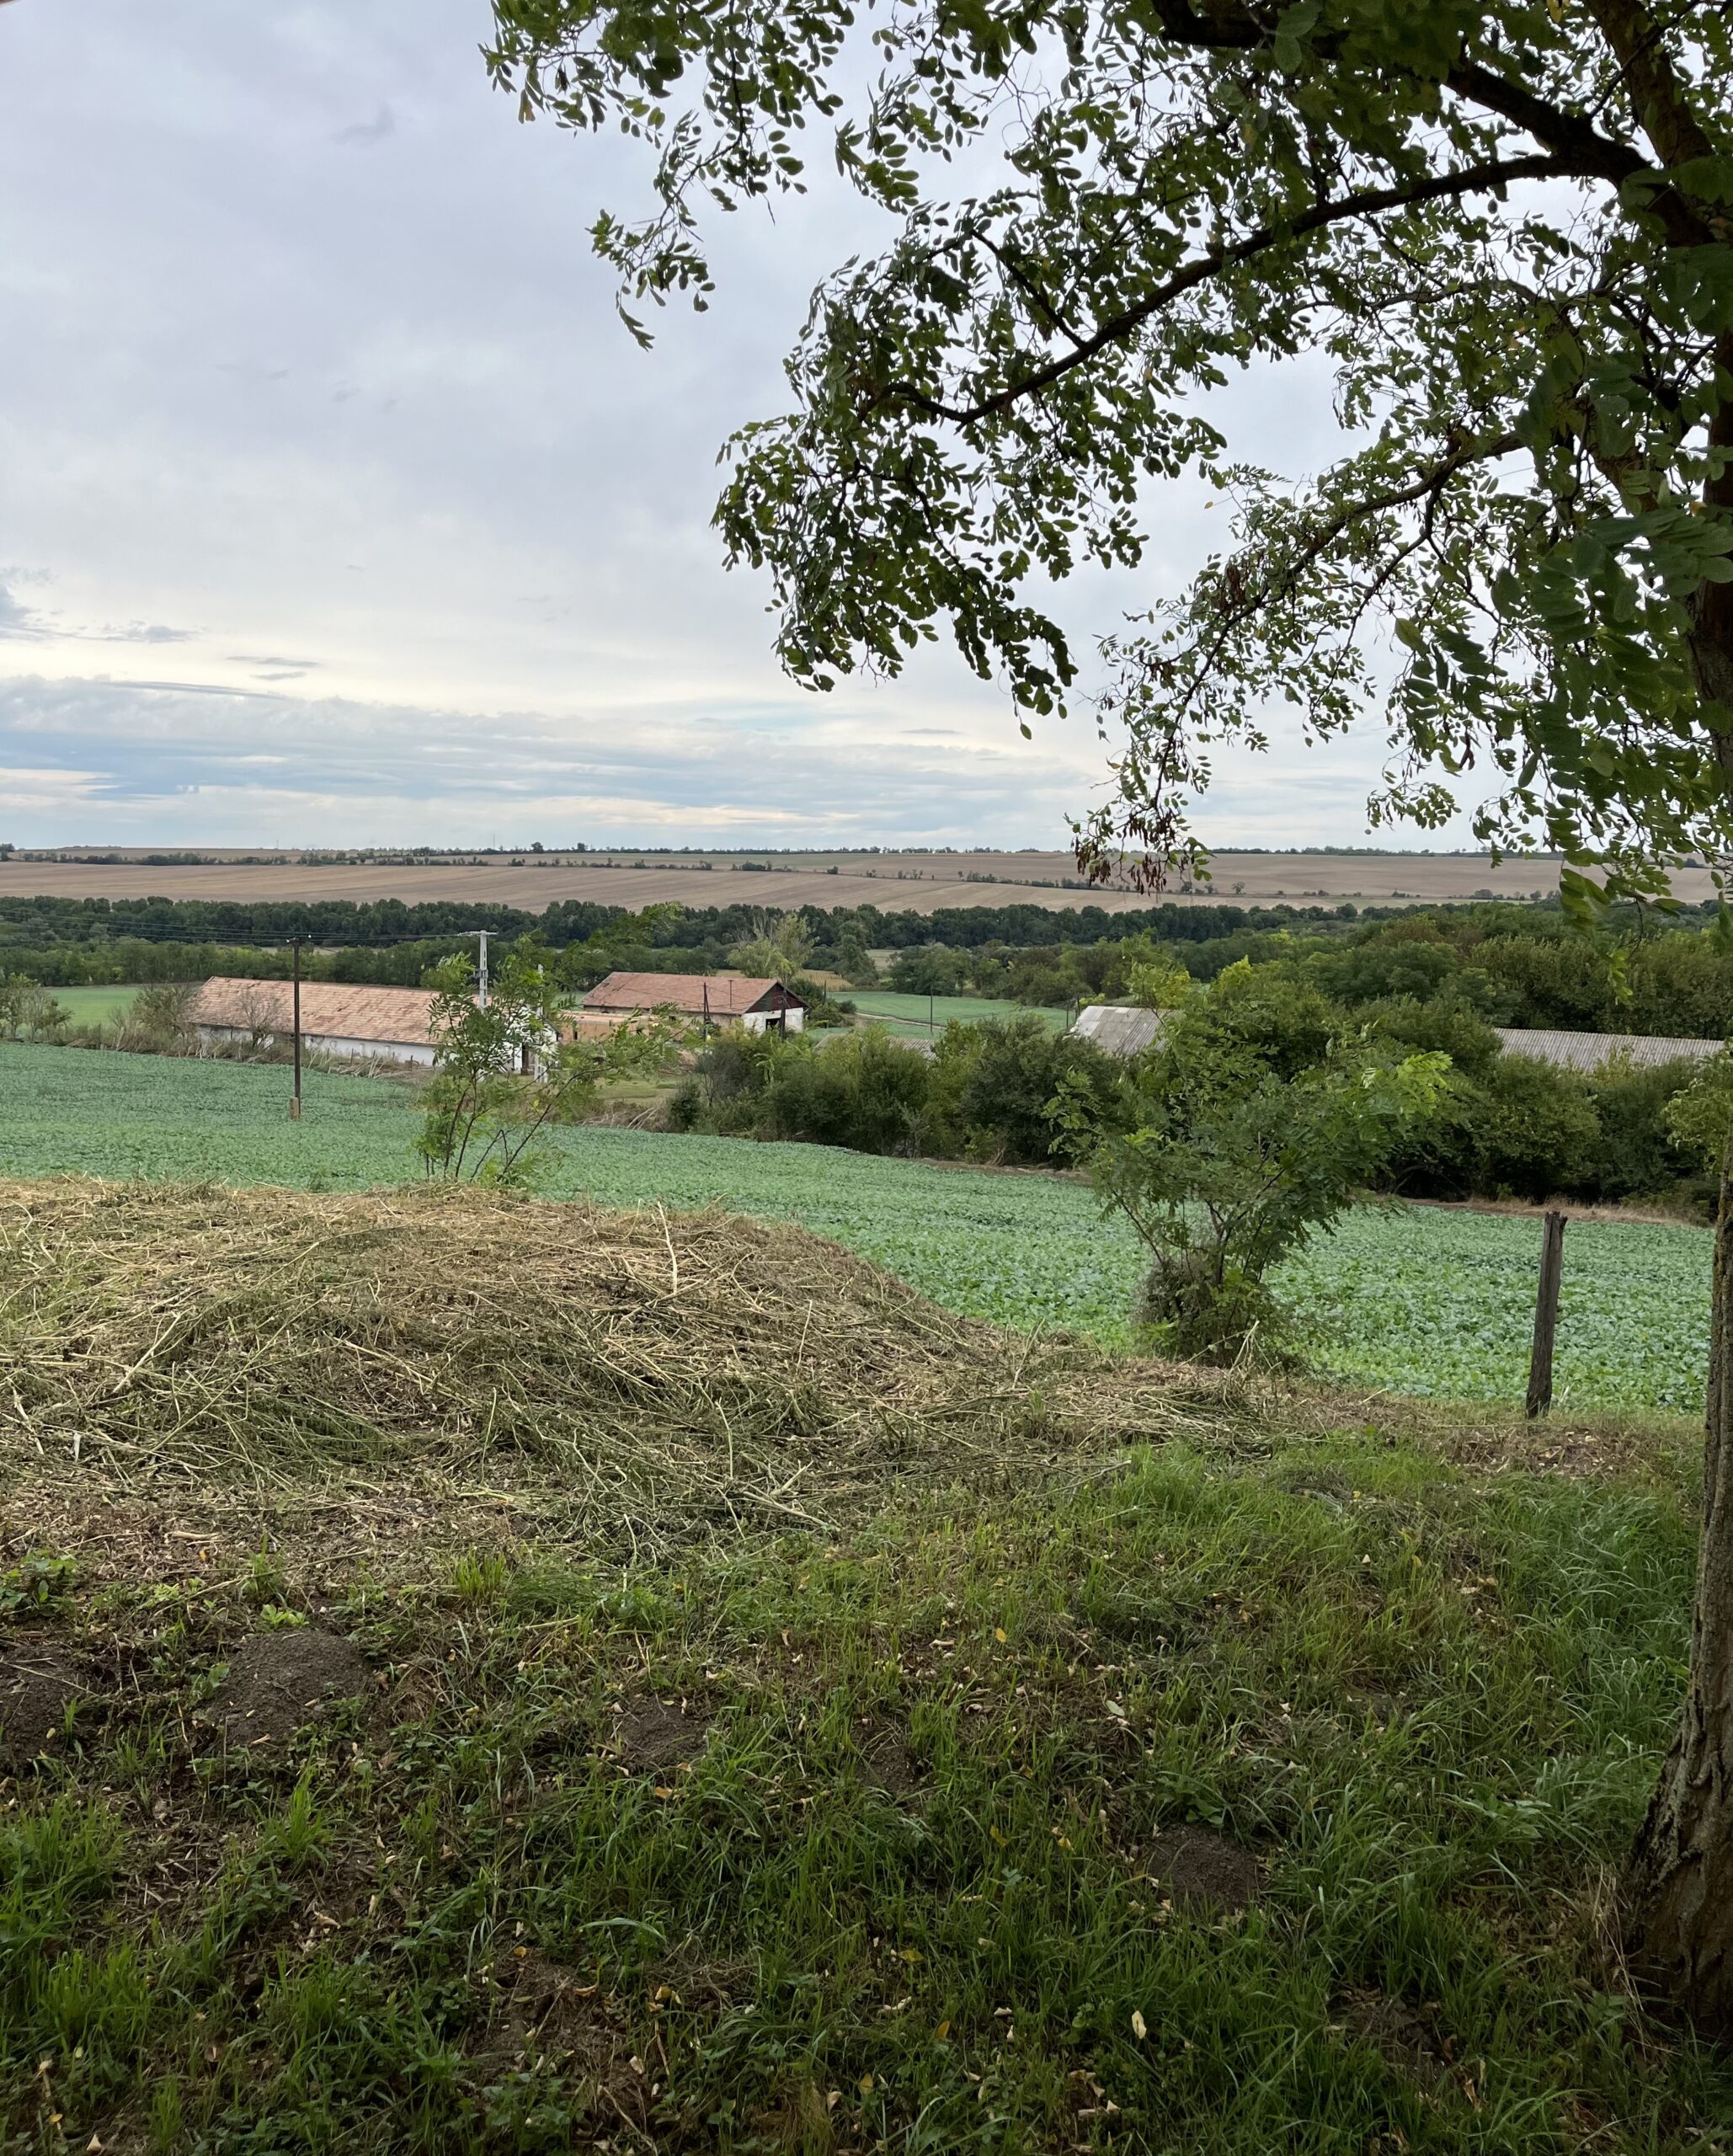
{"points": [[908, 1013], [1420, 1298], [89, 1006]]}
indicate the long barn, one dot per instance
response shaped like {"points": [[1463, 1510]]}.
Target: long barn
{"points": [[389, 1024]]}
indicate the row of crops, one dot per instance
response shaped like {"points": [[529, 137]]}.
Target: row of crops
{"points": [[1421, 1299]]}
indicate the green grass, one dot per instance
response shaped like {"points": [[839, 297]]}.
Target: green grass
{"points": [[89, 1006], [910, 1012], [1420, 1298], [904, 1879]]}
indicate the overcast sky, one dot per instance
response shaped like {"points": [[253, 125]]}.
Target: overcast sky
{"points": [[336, 507]]}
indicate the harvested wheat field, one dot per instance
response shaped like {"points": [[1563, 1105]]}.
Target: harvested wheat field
{"points": [[485, 1679], [895, 883]]}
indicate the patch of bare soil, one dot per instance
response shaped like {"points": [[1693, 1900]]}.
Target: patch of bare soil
{"points": [[38, 1683], [887, 1764], [1202, 1869], [1406, 2038], [657, 1736], [542, 2006], [278, 1682]]}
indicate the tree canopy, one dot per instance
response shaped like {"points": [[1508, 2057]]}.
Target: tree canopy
{"points": [[1507, 228]]}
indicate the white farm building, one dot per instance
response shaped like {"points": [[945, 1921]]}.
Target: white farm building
{"points": [[717, 998], [390, 1024]]}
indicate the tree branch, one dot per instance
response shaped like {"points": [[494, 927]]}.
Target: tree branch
{"points": [[1370, 202], [1594, 155]]}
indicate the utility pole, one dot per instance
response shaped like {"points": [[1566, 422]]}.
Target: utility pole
{"points": [[930, 1014], [294, 1103], [481, 976]]}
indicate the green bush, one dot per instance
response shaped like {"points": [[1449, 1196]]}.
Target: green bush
{"points": [[1638, 1155], [1563, 981], [1679, 983], [929, 969], [1449, 1024], [866, 1092], [1536, 1134], [28, 1012], [994, 1083], [985, 1092], [724, 1093], [1226, 1164], [1286, 1025]]}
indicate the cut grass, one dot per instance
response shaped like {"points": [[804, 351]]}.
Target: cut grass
{"points": [[1256, 1789]]}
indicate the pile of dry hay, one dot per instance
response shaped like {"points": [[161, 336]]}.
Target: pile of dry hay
{"points": [[625, 1378]]}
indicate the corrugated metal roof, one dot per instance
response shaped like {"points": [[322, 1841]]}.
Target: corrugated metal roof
{"points": [[329, 1009], [1589, 1051], [1122, 1029], [723, 995]]}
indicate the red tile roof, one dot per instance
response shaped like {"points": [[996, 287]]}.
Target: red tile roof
{"points": [[329, 1009], [723, 995]]}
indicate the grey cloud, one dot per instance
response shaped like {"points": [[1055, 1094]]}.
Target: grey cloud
{"points": [[146, 633], [18, 620], [362, 134], [179, 688]]}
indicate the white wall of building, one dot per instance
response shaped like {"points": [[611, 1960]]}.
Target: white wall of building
{"points": [[326, 1045]]}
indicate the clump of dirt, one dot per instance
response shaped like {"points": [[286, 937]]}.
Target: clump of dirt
{"points": [[887, 1764], [278, 1682], [38, 1683], [1406, 2038], [1202, 1869], [657, 1736], [543, 2007]]}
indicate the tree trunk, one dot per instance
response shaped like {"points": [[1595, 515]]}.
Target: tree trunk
{"points": [[1678, 1889]]}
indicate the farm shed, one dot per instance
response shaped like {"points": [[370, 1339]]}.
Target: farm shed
{"points": [[1122, 1029], [724, 999], [389, 1023], [1589, 1051]]}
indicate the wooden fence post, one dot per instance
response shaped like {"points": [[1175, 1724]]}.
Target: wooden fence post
{"points": [[1546, 1316], [295, 1097]]}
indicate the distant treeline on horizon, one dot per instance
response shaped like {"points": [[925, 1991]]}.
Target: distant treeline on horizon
{"points": [[537, 854]]}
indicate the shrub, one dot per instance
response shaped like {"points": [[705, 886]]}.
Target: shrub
{"points": [[1384, 967], [725, 1090], [1286, 1026], [993, 1086], [1232, 1165], [1565, 981], [28, 1012], [866, 1092], [1637, 1156], [853, 961], [929, 969], [158, 1020], [1679, 983], [1449, 1024], [1536, 1133]]}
